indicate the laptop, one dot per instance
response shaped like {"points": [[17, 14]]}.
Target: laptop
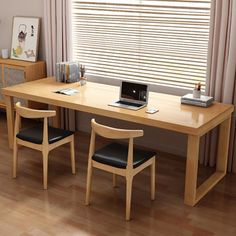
{"points": [[133, 96]]}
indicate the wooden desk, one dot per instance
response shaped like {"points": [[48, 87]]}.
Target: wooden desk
{"points": [[94, 97]]}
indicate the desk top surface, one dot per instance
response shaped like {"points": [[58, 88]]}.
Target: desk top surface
{"points": [[94, 98]]}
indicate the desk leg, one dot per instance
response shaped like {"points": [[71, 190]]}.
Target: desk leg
{"points": [[10, 119], [191, 170], [192, 193], [223, 146], [56, 120]]}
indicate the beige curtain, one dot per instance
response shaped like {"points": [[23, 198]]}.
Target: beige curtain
{"points": [[57, 23], [221, 82]]}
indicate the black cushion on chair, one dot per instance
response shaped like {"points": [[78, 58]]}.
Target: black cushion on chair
{"points": [[35, 134], [116, 154]]}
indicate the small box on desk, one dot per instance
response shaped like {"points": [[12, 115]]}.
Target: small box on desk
{"points": [[203, 101]]}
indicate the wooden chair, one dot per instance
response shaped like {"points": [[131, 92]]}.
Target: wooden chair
{"points": [[40, 137], [119, 159]]}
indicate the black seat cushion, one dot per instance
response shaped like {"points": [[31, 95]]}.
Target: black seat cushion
{"points": [[35, 134], [116, 154]]}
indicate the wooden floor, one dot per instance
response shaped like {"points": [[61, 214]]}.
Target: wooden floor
{"points": [[26, 209]]}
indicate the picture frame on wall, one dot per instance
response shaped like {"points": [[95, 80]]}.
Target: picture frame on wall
{"points": [[25, 38]]}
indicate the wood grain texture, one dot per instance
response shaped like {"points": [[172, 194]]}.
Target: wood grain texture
{"points": [[15, 72], [12, 62], [94, 98], [114, 133], [45, 147], [129, 172], [1, 82], [10, 119], [223, 143], [27, 210], [191, 170]]}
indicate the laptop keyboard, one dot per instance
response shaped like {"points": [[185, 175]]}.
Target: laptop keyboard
{"points": [[130, 104]]}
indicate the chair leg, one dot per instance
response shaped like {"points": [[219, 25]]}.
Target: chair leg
{"points": [[15, 159], [153, 179], [114, 180], [89, 180], [45, 170], [72, 155], [129, 181]]}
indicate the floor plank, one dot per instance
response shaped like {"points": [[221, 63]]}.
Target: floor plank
{"points": [[26, 209]]}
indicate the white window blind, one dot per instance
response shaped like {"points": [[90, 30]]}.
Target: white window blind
{"points": [[163, 42]]}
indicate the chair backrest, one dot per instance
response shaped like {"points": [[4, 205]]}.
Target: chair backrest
{"points": [[114, 133], [33, 114]]}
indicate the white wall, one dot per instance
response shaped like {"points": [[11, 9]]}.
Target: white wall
{"points": [[155, 138], [10, 8]]}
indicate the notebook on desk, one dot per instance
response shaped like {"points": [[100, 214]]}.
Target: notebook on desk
{"points": [[133, 96]]}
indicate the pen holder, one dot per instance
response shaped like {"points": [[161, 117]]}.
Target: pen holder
{"points": [[196, 93], [83, 81]]}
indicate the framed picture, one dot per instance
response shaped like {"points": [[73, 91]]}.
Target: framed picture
{"points": [[25, 38]]}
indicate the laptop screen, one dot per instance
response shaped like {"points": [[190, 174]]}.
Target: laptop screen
{"points": [[133, 91]]}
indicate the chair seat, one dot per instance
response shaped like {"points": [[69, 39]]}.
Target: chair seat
{"points": [[115, 154], [35, 134]]}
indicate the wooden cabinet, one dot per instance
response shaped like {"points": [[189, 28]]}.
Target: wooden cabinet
{"points": [[14, 72]]}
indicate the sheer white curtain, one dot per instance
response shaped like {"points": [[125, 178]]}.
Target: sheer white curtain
{"points": [[57, 22], [221, 83]]}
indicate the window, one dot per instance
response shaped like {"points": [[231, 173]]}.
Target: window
{"points": [[163, 42]]}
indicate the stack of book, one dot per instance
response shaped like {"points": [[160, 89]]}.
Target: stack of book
{"points": [[203, 101], [68, 72]]}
